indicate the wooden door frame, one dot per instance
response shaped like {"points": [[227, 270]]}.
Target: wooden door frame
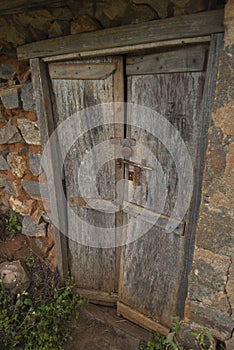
{"points": [[156, 34]]}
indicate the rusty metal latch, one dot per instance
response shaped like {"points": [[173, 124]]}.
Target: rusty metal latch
{"points": [[136, 174]]}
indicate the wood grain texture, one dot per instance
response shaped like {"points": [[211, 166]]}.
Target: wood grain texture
{"points": [[93, 268], [164, 44], [152, 266], [182, 60], [171, 28], [45, 113], [205, 122], [140, 319], [97, 297], [83, 71]]}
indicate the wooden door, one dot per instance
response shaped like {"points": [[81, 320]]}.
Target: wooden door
{"points": [[76, 87], [148, 274], [152, 267]]}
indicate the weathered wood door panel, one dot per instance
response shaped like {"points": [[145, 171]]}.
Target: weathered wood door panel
{"points": [[150, 273], [152, 266], [77, 86]]}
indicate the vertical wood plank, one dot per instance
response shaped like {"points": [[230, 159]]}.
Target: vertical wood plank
{"points": [[153, 265], [119, 132], [45, 113], [206, 111]]}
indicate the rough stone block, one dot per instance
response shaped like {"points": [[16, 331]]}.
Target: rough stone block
{"points": [[2, 119], [27, 97], [229, 344], [7, 71], [30, 229], [84, 23], [208, 280], [8, 187], [3, 163], [30, 131], [21, 205], [36, 190], [37, 216], [14, 276], [34, 163], [2, 180], [9, 134], [10, 97], [17, 163], [215, 232], [208, 317]]}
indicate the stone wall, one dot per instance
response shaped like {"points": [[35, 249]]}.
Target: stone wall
{"points": [[210, 302], [20, 152]]}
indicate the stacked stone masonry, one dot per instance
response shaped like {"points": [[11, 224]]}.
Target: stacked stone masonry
{"points": [[210, 301], [20, 155]]}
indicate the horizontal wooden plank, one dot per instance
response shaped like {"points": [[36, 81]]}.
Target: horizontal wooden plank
{"points": [[140, 319], [171, 28], [183, 60], [97, 297], [15, 6], [130, 48], [81, 70], [94, 203], [149, 216]]}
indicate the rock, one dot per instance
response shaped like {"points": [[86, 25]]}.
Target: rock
{"points": [[9, 134], [2, 119], [3, 163], [36, 190], [30, 229], [2, 180], [10, 97], [14, 277], [21, 205], [27, 97], [37, 216], [58, 28], [30, 131], [84, 23], [17, 188], [17, 163], [52, 258], [158, 5], [34, 163], [229, 344], [7, 71], [8, 187]]}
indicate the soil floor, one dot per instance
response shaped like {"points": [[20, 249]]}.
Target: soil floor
{"points": [[98, 327]]}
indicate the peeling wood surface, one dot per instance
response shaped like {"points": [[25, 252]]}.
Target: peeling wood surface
{"points": [[81, 70], [199, 24]]}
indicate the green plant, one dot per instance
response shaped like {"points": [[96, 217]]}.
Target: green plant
{"points": [[29, 258], [39, 323], [13, 224], [204, 340]]}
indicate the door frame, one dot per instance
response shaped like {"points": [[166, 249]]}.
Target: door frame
{"points": [[45, 112]]}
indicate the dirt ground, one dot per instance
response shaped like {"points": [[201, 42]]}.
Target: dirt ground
{"points": [[97, 327]]}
